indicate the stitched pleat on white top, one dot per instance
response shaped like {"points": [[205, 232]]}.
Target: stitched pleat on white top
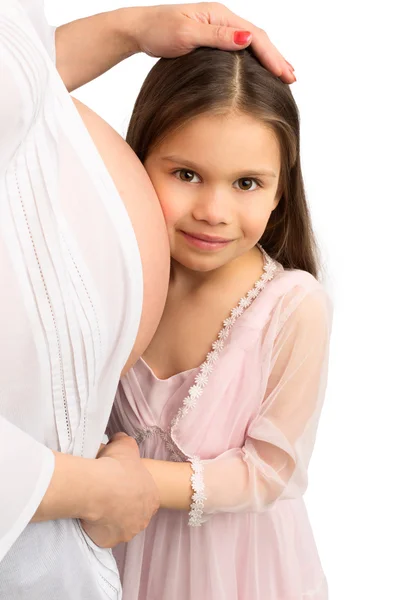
{"points": [[71, 298]]}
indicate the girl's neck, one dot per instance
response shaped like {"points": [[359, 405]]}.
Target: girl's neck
{"points": [[192, 281]]}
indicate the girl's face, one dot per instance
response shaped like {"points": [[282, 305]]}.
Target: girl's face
{"points": [[217, 182]]}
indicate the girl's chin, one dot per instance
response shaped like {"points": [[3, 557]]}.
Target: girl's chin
{"points": [[199, 263]]}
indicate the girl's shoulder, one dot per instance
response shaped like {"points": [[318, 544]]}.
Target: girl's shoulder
{"points": [[287, 285], [301, 293], [289, 291], [286, 280]]}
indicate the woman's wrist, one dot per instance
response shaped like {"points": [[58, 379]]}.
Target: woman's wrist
{"points": [[127, 25], [88, 47], [75, 490]]}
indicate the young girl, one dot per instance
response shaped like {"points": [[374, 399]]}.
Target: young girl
{"points": [[225, 402]]}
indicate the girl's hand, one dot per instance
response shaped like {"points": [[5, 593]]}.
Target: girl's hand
{"points": [[174, 30], [129, 498]]}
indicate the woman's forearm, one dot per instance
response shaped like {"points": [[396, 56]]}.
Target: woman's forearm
{"points": [[74, 489], [173, 482], [88, 47], [114, 495], [77, 483]]}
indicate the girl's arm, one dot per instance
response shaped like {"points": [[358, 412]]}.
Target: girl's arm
{"points": [[173, 482], [273, 462], [88, 47]]}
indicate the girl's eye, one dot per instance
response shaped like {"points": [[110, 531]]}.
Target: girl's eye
{"points": [[246, 184], [187, 176]]}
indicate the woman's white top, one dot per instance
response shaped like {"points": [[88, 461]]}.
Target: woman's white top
{"points": [[70, 305]]}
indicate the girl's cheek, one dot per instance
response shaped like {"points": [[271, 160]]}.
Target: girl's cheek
{"points": [[163, 197], [255, 223], [174, 205], [169, 210]]}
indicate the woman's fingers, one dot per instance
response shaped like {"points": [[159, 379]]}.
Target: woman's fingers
{"points": [[173, 30], [263, 48]]}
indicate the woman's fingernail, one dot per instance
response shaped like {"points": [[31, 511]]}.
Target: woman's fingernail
{"points": [[288, 63], [241, 37]]}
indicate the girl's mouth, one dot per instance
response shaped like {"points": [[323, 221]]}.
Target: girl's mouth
{"points": [[204, 241]]}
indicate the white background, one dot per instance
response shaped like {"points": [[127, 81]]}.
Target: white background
{"points": [[345, 55]]}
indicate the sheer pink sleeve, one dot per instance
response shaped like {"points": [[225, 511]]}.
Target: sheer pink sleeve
{"points": [[273, 462]]}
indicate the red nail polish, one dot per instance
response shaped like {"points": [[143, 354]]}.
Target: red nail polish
{"points": [[241, 37]]}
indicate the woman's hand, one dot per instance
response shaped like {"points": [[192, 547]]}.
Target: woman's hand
{"points": [[129, 498], [173, 30], [114, 495], [88, 47]]}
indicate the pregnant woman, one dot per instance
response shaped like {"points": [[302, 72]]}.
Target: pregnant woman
{"points": [[83, 285]]}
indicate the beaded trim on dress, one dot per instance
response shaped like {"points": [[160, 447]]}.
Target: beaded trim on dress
{"points": [[199, 495], [195, 392]]}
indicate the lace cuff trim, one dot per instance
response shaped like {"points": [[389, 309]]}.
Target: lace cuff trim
{"points": [[199, 497]]}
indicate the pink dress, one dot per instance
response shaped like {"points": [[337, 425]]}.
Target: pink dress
{"points": [[246, 419]]}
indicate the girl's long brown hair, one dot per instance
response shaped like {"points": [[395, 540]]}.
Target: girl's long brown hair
{"points": [[209, 80]]}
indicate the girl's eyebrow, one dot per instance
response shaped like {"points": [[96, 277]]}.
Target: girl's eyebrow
{"points": [[244, 173]]}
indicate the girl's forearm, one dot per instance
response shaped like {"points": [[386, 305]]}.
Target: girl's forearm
{"points": [[88, 47], [173, 482]]}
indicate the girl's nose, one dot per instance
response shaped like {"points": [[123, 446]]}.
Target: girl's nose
{"points": [[212, 207]]}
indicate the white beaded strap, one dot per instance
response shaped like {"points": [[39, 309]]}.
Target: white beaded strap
{"points": [[199, 496]]}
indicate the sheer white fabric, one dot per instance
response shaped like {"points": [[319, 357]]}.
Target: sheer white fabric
{"points": [[70, 310], [253, 431]]}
